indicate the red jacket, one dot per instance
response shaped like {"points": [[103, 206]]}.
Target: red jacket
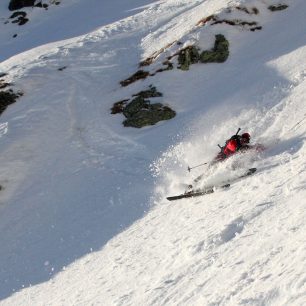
{"points": [[231, 147]]}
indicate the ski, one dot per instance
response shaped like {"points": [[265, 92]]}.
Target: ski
{"points": [[192, 194], [197, 193]]}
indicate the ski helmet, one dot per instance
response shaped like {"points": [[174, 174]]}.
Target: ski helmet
{"points": [[246, 136]]}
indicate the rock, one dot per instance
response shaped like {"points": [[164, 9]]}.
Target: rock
{"points": [[188, 56], [279, 7], [219, 53], [150, 93], [119, 106], [4, 84], [21, 17], [6, 98], [140, 112], [155, 113], [18, 14], [19, 4], [135, 106], [140, 74], [22, 21]]}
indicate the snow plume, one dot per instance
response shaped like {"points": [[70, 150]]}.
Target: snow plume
{"points": [[198, 151]]}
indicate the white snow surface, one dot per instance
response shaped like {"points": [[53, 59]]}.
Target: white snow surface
{"points": [[84, 218]]}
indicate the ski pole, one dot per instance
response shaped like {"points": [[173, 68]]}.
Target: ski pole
{"points": [[190, 168]]}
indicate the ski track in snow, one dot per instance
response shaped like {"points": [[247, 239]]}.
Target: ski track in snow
{"points": [[82, 219]]}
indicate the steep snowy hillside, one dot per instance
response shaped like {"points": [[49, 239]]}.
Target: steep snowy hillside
{"points": [[83, 212], [58, 22]]}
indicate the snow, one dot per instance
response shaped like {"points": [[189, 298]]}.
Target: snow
{"points": [[84, 218]]}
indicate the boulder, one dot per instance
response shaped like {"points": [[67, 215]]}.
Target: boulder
{"points": [[188, 56], [135, 106], [150, 93], [219, 53], [144, 117], [140, 112], [19, 4], [6, 98], [279, 7]]}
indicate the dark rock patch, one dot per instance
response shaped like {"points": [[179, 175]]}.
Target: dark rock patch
{"points": [[140, 112], [42, 5], [205, 20], [20, 17], [6, 98], [4, 84], [169, 66], [19, 4], [252, 11], [139, 75], [148, 61], [22, 21], [256, 29], [119, 106], [236, 22], [18, 14], [188, 56], [62, 68], [152, 115], [39, 4], [279, 7], [134, 106], [219, 53], [150, 93]]}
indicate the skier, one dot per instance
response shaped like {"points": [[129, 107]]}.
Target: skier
{"points": [[237, 143]]}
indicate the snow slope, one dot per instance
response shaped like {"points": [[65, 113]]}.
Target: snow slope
{"points": [[83, 214]]}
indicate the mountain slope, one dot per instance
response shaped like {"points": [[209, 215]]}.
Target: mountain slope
{"points": [[84, 221]]}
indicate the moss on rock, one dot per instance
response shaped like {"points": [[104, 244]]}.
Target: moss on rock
{"points": [[144, 117], [119, 106], [150, 93], [140, 112], [135, 106], [188, 56], [219, 53]]}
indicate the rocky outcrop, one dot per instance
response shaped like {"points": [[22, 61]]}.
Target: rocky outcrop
{"points": [[6, 98], [19, 18], [140, 112], [188, 56], [139, 75], [219, 53], [19, 4], [192, 54], [278, 7], [149, 114]]}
